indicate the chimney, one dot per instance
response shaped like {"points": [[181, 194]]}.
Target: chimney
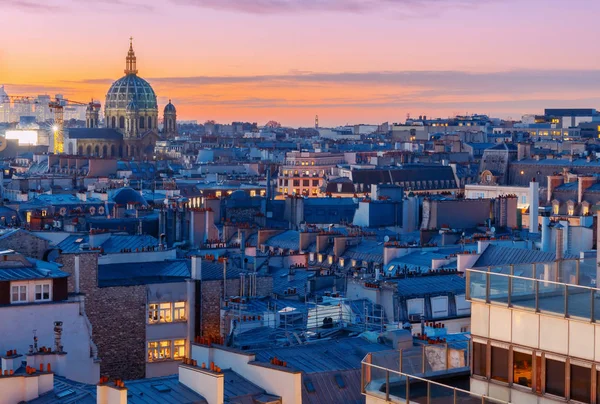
{"points": [[545, 234], [523, 151], [559, 241], [534, 200], [553, 182], [339, 246], [58, 336], [583, 183], [110, 393], [196, 270]]}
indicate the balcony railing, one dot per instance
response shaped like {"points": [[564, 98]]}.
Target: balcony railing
{"points": [[384, 383], [551, 294]]}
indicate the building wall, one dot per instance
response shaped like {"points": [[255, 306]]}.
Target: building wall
{"points": [[460, 213], [18, 322], [476, 191], [25, 243], [118, 318]]}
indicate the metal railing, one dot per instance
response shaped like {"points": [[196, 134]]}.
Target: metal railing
{"points": [[539, 295], [398, 387]]}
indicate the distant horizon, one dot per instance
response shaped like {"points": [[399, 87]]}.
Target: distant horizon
{"points": [[350, 61]]}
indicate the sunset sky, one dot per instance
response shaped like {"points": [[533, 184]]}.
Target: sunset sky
{"points": [[349, 61]]}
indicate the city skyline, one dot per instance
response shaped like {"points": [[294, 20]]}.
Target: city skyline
{"points": [[233, 60]]}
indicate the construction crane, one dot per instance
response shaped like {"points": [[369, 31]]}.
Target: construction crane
{"points": [[56, 106]]}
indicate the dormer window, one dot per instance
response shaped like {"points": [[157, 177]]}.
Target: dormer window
{"points": [[555, 207], [42, 292], [18, 294]]}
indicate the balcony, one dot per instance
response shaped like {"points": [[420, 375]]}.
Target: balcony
{"points": [[384, 380], [561, 288]]}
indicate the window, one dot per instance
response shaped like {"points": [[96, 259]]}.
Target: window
{"points": [[479, 359], [178, 349], [522, 369], [315, 183], [305, 183], [581, 384], [179, 311], [19, 294], [153, 313], [555, 377], [523, 199], [500, 364], [296, 183], [165, 313], [159, 350], [42, 292]]}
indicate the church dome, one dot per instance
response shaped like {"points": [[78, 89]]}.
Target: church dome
{"points": [[131, 88], [128, 196], [170, 108]]}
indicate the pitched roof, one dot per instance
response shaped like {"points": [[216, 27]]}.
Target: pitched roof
{"points": [[431, 285], [499, 256], [143, 273], [94, 133], [31, 269]]}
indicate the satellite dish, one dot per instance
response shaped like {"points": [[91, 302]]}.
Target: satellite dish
{"points": [[386, 239]]}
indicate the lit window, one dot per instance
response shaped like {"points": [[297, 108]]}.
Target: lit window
{"points": [[522, 368], [218, 194], [19, 294], [178, 348], [42, 292], [555, 208], [159, 350], [44, 213], [571, 210], [586, 210], [153, 313], [253, 193], [179, 311], [165, 313]]}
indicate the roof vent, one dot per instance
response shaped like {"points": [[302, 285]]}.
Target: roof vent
{"points": [[161, 388]]}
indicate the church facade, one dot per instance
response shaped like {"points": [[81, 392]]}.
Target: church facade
{"points": [[131, 120]]}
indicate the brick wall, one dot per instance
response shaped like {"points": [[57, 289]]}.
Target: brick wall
{"points": [[118, 317], [26, 244], [212, 292]]}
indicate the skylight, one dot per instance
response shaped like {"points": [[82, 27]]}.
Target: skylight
{"points": [[161, 388]]}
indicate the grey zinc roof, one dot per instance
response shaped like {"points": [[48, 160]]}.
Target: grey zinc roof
{"points": [[143, 391], [299, 281], [326, 356], [76, 393], [288, 240], [143, 273], [431, 285], [499, 256], [327, 389], [114, 244], [237, 388], [37, 270]]}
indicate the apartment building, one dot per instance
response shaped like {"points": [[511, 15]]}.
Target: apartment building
{"points": [[304, 173]]}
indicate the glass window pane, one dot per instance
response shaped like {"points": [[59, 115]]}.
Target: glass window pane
{"points": [[581, 384], [500, 364], [555, 377], [479, 359], [522, 369]]}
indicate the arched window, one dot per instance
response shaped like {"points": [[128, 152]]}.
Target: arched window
{"points": [[80, 151], [122, 122], [89, 150], [97, 150], [70, 148], [112, 150], [104, 151], [114, 122], [141, 122], [120, 150], [149, 122]]}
